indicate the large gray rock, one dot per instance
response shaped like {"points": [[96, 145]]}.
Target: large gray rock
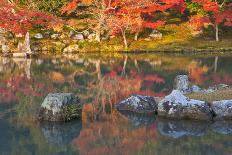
{"points": [[139, 104], [181, 83], [60, 107], [178, 129], [178, 106], [222, 109]]}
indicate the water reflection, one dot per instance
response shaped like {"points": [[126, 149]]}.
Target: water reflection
{"points": [[222, 127], [181, 128], [61, 133], [100, 82]]}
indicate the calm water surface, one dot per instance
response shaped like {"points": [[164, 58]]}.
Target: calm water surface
{"points": [[100, 82]]}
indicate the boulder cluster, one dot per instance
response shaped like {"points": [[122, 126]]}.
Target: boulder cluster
{"points": [[178, 106], [175, 106]]}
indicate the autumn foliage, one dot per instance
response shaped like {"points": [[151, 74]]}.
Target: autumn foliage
{"points": [[19, 20]]}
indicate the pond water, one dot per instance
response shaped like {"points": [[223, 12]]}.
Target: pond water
{"points": [[101, 81]]}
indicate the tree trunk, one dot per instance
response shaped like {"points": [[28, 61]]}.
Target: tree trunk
{"points": [[125, 40], [217, 32], [98, 35], [136, 36]]}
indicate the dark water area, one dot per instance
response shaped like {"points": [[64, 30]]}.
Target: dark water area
{"points": [[100, 82]]}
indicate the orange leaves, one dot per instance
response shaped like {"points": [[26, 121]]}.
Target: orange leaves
{"points": [[71, 7], [199, 21], [214, 13], [153, 25]]}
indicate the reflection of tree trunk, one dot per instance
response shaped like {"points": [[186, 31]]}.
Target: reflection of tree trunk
{"points": [[124, 66], [217, 32], [98, 69], [124, 39], [136, 65], [215, 64], [28, 68]]}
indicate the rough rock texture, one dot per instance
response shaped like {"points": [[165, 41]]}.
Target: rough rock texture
{"points": [[178, 129], [60, 107], [222, 109], [139, 104], [222, 127], [61, 133], [181, 83], [178, 106]]}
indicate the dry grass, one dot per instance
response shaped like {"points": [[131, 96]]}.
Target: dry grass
{"points": [[210, 97]]}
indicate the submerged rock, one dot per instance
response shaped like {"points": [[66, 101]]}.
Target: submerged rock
{"points": [[178, 129], [222, 109], [60, 107], [181, 83], [139, 104], [222, 127], [178, 106]]}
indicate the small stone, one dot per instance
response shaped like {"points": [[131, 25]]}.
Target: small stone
{"points": [[60, 107], [181, 83], [78, 37], [38, 36], [222, 109], [156, 34], [55, 36], [195, 89]]}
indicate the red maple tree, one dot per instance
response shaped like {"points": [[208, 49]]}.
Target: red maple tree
{"points": [[20, 20], [215, 13]]}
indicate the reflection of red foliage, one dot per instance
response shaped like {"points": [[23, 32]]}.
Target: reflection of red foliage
{"points": [[196, 72], [113, 135], [218, 79], [20, 84]]}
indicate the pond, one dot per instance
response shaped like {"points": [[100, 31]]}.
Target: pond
{"points": [[102, 81]]}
